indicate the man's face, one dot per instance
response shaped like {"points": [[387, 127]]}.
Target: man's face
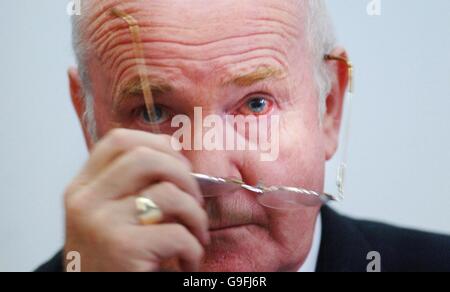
{"points": [[213, 55]]}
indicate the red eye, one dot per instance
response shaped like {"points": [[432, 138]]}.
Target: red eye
{"points": [[256, 106]]}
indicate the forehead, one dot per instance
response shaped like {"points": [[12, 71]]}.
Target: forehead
{"points": [[200, 11], [196, 21], [227, 32]]}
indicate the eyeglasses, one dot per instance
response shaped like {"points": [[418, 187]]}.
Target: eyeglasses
{"points": [[275, 197]]}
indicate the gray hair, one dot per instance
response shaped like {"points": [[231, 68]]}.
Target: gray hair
{"points": [[321, 41]]}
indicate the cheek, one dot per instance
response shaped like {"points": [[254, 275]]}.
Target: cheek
{"points": [[301, 151], [301, 158]]}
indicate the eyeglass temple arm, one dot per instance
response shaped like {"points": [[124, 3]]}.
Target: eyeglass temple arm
{"points": [[343, 166], [349, 66]]}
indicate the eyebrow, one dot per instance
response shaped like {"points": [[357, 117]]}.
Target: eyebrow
{"points": [[259, 74], [134, 88]]}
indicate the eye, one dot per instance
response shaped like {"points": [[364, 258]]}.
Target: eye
{"points": [[256, 106], [160, 115]]}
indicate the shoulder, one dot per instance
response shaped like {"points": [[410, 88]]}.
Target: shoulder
{"points": [[407, 249], [54, 265], [401, 249]]}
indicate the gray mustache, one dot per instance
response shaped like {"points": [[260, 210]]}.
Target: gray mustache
{"points": [[236, 209]]}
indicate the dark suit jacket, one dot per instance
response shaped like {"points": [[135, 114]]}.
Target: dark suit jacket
{"points": [[346, 243]]}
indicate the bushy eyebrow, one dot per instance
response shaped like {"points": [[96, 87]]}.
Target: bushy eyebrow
{"points": [[134, 88], [261, 73]]}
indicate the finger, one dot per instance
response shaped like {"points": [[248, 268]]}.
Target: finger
{"points": [[137, 170], [168, 241], [175, 205], [119, 141]]}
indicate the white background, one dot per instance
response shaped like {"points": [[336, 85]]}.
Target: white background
{"points": [[399, 161]]}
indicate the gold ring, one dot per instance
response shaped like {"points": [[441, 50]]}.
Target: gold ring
{"points": [[148, 212]]}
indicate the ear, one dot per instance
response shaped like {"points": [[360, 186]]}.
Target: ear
{"points": [[335, 102], [79, 103]]}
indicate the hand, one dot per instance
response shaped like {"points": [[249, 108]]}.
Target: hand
{"points": [[101, 217]]}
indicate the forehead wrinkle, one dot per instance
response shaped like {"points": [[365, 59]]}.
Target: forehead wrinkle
{"points": [[95, 27], [141, 9], [120, 27], [104, 14], [123, 56], [106, 37], [173, 54], [104, 26], [171, 46], [167, 36], [119, 36]]}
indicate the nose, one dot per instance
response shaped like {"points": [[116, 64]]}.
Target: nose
{"points": [[228, 164], [214, 163]]}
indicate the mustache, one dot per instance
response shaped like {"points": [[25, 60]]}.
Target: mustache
{"points": [[240, 208]]}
